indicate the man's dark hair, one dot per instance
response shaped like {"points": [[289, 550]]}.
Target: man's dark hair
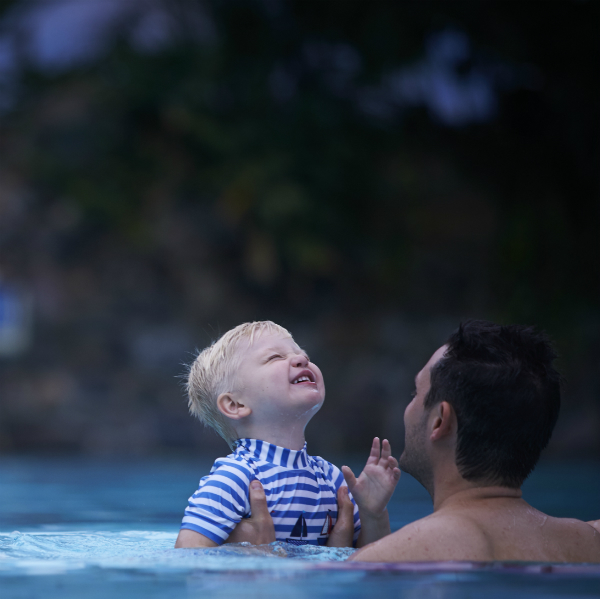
{"points": [[506, 394]]}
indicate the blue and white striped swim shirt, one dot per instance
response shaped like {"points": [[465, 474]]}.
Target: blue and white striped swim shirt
{"points": [[301, 494]]}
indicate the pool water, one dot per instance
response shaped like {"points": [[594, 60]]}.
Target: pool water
{"points": [[74, 528]]}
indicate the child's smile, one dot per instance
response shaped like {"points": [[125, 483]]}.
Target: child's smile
{"points": [[305, 377]]}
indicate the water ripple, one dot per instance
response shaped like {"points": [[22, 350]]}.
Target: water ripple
{"points": [[50, 552]]}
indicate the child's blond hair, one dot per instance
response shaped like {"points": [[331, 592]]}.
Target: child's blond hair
{"points": [[213, 373]]}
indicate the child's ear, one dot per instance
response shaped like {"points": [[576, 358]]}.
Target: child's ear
{"points": [[231, 408]]}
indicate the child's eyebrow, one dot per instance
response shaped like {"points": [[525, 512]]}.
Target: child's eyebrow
{"points": [[273, 349], [280, 350]]}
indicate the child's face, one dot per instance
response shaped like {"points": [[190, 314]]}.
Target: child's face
{"points": [[277, 381]]}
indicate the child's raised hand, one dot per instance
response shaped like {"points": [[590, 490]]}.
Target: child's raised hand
{"points": [[375, 486]]}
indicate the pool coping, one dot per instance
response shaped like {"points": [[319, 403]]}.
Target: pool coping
{"points": [[457, 567]]}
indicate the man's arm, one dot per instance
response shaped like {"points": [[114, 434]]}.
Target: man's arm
{"points": [[400, 546], [432, 538]]}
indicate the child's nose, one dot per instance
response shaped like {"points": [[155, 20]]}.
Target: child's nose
{"points": [[300, 360]]}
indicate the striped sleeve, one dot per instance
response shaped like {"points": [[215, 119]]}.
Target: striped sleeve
{"points": [[334, 475], [221, 500]]}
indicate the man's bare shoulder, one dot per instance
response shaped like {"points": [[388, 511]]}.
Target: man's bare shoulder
{"points": [[594, 524], [580, 541], [437, 537], [525, 535]]}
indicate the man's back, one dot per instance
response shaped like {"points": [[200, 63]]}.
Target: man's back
{"points": [[494, 529]]}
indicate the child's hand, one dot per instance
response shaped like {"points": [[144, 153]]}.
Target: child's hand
{"points": [[375, 486]]}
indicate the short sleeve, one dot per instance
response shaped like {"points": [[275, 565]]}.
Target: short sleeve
{"points": [[221, 500]]}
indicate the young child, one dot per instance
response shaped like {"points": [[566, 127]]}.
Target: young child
{"points": [[259, 390]]}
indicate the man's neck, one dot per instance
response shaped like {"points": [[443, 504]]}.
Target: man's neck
{"points": [[449, 488], [464, 493]]}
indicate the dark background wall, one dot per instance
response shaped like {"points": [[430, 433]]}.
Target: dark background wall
{"points": [[364, 173]]}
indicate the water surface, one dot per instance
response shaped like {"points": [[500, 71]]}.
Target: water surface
{"points": [[74, 527]]}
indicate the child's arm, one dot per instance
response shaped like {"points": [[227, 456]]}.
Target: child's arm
{"points": [[191, 538], [372, 491], [217, 506]]}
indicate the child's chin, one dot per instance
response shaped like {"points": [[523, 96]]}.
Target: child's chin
{"points": [[314, 406], [313, 395]]}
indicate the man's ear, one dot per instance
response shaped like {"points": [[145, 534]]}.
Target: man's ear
{"points": [[444, 422], [231, 408]]}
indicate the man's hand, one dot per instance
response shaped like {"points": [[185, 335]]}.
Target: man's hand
{"points": [[259, 528], [342, 533], [373, 489]]}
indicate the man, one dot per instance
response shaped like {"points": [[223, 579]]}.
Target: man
{"points": [[484, 408]]}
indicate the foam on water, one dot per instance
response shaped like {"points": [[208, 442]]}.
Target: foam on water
{"points": [[47, 552], [60, 552]]}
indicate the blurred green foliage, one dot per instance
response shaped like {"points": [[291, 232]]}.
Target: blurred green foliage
{"points": [[315, 204], [315, 188]]}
